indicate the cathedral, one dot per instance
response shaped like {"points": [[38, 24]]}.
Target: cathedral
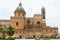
{"points": [[30, 26]]}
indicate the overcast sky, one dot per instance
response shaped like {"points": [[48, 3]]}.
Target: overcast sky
{"points": [[7, 8]]}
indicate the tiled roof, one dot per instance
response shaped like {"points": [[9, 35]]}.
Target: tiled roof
{"points": [[37, 14], [52, 27], [29, 17], [4, 20]]}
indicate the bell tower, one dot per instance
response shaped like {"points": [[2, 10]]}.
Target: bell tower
{"points": [[43, 12], [18, 20], [43, 17]]}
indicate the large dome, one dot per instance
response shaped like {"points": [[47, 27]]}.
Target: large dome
{"points": [[19, 8]]}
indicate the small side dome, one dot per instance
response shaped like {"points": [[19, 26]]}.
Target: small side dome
{"points": [[20, 8]]}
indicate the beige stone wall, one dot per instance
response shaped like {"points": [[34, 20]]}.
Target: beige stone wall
{"points": [[38, 32], [19, 13], [20, 23], [37, 17], [18, 18], [5, 22]]}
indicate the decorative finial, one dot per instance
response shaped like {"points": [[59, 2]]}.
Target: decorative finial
{"points": [[20, 4]]}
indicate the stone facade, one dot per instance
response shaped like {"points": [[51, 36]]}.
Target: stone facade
{"points": [[37, 26]]}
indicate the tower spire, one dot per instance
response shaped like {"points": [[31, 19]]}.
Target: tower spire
{"points": [[20, 4], [43, 12]]}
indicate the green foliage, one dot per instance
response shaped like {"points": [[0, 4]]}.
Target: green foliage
{"points": [[46, 38], [10, 39], [4, 32], [10, 30], [7, 39], [28, 21], [30, 38], [1, 25]]}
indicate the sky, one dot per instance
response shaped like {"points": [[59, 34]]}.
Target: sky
{"points": [[52, 7]]}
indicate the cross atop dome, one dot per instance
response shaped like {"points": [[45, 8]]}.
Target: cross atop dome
{"points": [[20, 4]]}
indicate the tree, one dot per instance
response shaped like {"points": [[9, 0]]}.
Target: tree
{"points": [[28, 21], [1, 26], [10, 30], [4, 32]]}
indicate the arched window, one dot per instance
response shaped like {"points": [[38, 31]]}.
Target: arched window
{"points": [[16, 23], [19, 14], [38, 24], [20, 36], [34, 36]]}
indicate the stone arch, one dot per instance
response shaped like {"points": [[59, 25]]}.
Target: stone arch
{"points": [[20, 36], [38, 24], [34, 36]]}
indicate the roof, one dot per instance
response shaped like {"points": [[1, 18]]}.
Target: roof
{"points": [[20, 8], [37, 14], [29, 17], [47, 26], [4, 20], [51, 27]]}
